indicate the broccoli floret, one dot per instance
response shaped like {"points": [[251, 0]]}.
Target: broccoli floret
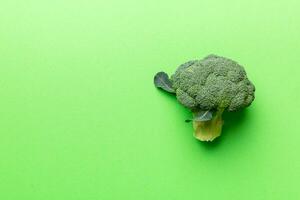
{"points": [[211, 85]]}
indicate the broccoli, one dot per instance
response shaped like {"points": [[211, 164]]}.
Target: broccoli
{"points": [[208, 87]]}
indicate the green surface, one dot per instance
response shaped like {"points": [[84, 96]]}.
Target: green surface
{"points": [[81, 120]]}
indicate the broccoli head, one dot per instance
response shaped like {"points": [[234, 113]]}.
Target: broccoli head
{"points": [[208, 87]]}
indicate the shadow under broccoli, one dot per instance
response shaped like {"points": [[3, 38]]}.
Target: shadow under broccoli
{"points": [[208, 87]]}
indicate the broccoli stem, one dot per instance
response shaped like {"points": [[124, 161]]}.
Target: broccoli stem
{"points": [[209, 130]]}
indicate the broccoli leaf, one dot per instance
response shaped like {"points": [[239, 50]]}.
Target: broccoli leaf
{"points": [[161, 80], [203, 116]]}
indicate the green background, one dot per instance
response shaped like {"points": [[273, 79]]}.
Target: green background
{"points": [[80, 118]]}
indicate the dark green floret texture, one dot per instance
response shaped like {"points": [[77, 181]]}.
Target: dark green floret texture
{"points": [[213, 83]]}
